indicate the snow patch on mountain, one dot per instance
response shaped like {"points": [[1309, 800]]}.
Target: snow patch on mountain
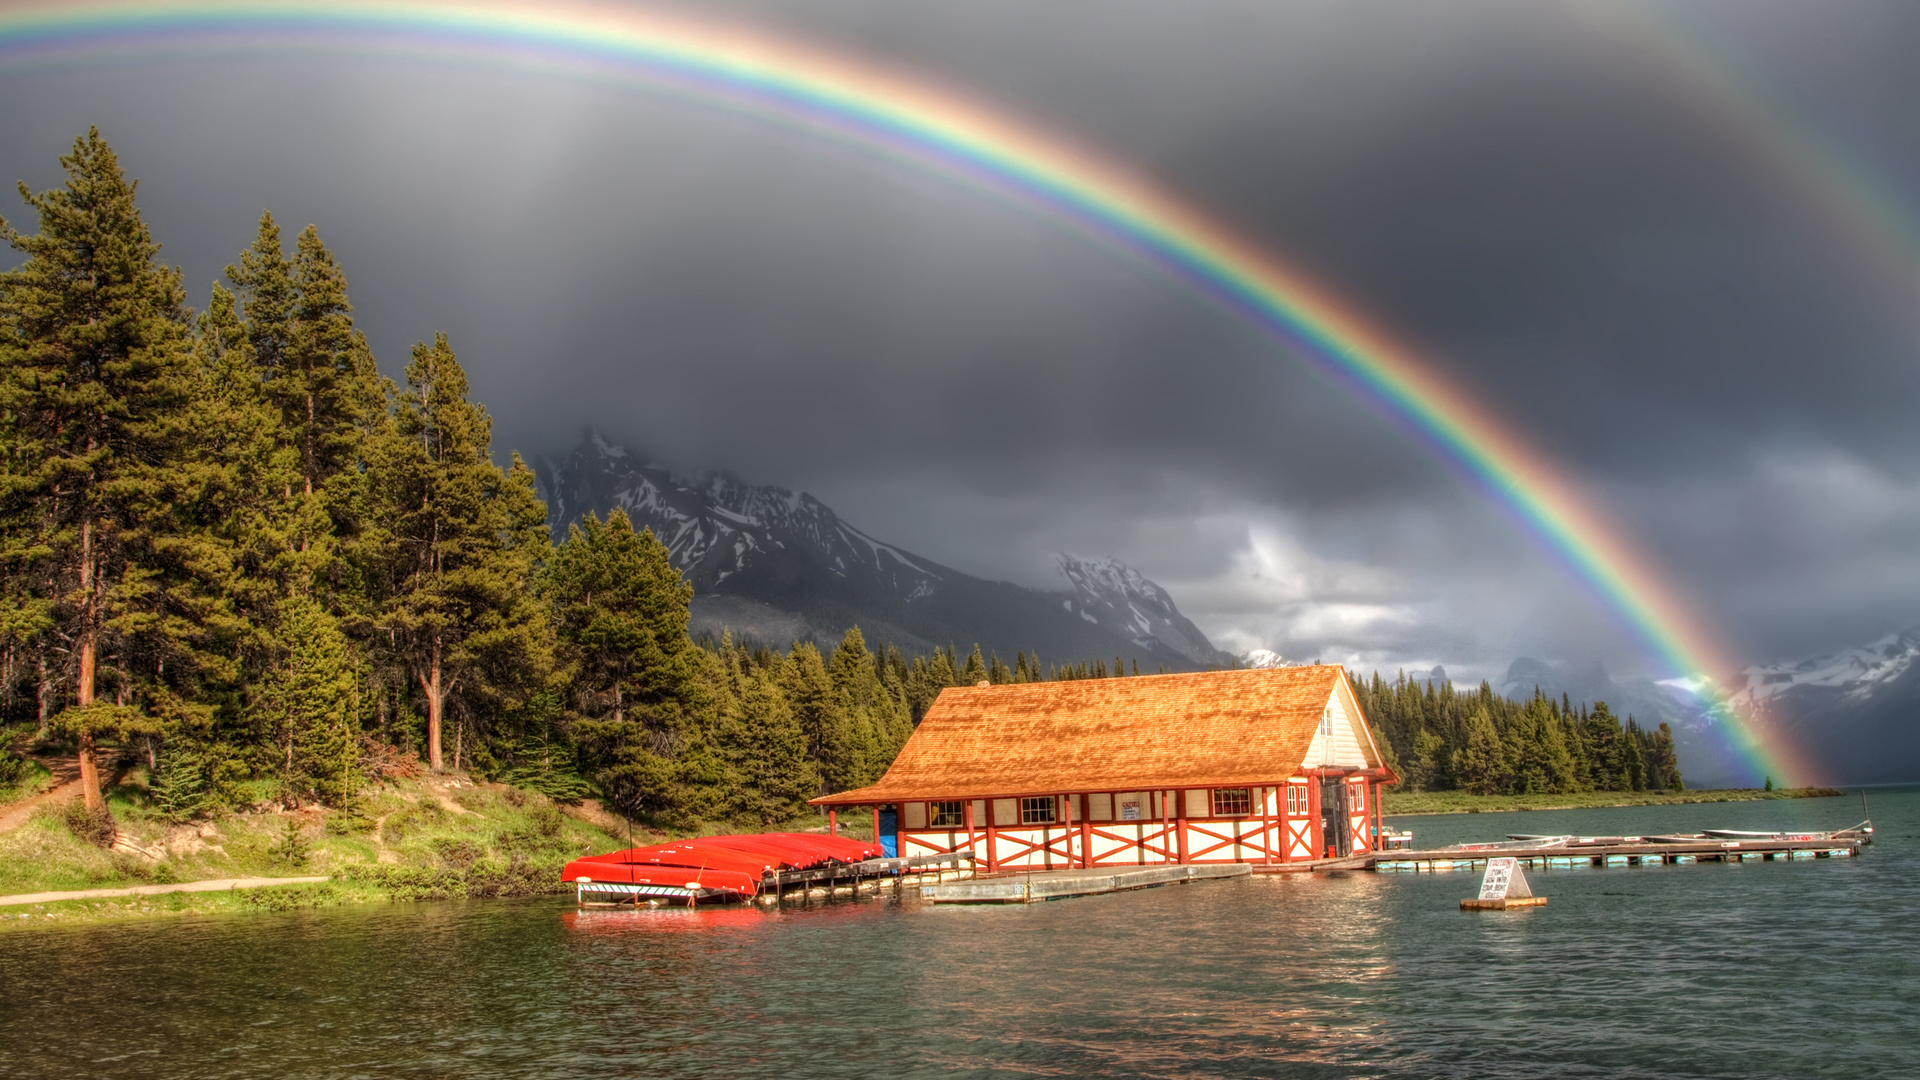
{"points": [[779, 551], [1855, 674], [1261, 658], [1120, 599]]}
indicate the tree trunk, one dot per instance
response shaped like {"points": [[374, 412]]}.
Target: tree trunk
{"points": [[83, 682], [435, 700], [45, 695]]}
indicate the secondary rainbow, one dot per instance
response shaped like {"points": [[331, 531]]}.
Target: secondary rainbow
{"points": [[895, 113]]}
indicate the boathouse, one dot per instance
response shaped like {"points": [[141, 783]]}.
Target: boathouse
{"points": [[1266, 766]]}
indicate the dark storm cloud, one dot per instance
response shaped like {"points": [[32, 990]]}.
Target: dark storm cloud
{"points": [[1545, 213]]}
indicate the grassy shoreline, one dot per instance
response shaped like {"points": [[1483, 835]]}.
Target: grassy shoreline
{"points": [[430, 838], [1422, 803]]}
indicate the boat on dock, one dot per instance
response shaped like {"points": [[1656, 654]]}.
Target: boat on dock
{"points": [[745, 867], [1862, 832]]}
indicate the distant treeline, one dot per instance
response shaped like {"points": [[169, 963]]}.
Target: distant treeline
{"points": [[233, 551], [1442, 740]]}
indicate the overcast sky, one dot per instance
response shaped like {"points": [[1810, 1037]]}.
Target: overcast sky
{"points": [[1553, 203]]}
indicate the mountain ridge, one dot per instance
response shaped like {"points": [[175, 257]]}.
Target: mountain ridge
{"points": [[778, 565]]}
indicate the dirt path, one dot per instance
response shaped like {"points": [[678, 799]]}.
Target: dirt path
{"points": [[12, 817], [216, 885]]}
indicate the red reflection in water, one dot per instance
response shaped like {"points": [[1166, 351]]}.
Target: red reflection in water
{"points": [[663, 920], [707, 919]]}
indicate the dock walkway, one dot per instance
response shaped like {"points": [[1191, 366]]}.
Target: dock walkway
{"points": [[1029, 888], [1567, 857]]}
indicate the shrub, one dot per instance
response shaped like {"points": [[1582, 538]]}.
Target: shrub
{"points": [[293, 848], [458, 854], [13, 768], [180, 788], [95, 826]]}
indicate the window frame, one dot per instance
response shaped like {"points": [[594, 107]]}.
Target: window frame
{"points": [[1033, 804], [946, 814], [1242, 796]]}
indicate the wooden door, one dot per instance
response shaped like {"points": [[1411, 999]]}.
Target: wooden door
{"points": [[1333, 816]]}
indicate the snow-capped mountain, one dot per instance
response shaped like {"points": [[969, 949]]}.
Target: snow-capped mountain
{"points": [[779, 565], [1853, 675], [1855, 713], [717, 526], [1261, 658], [1115, 596], [1853, 716]]}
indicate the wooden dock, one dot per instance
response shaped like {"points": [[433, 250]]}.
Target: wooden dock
{"points": [[1028, 888], [1642, 853]]}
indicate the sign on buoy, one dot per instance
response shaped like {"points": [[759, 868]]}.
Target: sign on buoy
{"points": [[1505, 886]]}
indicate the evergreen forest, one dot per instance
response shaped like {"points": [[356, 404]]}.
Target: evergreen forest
{"points": [[1440, 740], [235, 553]]}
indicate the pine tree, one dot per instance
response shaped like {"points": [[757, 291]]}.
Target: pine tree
{"points": [[804, 679], [1664, 762], [1479, 765], [456, 605], [975, 672], [311, 702], [871, 721], [1633, 772], [94, 368], [1426, 771], [1605, 742], [770, 752]]}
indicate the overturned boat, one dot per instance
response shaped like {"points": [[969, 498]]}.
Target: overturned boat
{"points": [[737, 867]]}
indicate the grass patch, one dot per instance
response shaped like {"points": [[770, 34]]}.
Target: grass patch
{"points": [[416, 839], [1398, 804], [28, 778], [427, 838]]}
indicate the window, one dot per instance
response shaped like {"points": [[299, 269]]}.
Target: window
{"points": [[1036, 809], [1326, 720], [943, 814], [1357, 798], [1230, 802], [1296, 800]]}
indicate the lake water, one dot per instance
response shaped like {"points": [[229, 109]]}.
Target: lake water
{"points": [[1807, 968]]}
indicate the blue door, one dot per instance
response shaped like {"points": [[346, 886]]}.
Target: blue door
{"points": [[890, 832]]}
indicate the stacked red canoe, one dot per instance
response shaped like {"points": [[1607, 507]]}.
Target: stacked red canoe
{"points": [[724, 864]]}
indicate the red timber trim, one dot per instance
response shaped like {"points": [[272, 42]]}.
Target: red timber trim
{"points": [[1316, 825], [1066, 820], [1087, 829], [1358, 830], [833, 823], [1074, 840], [1049, 845], [876, 821], [1267, 809], [1204, 832], [1299, 831], [993, 838]]}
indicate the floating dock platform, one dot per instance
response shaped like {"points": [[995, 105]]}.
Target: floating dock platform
{"points": [[1504, 903], [1626, 853], [1060, 884]]}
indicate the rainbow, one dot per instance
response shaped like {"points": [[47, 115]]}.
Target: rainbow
{"points": [[898, 114]]}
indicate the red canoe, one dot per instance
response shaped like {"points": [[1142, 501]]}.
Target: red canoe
{"points": [[727, 864]]}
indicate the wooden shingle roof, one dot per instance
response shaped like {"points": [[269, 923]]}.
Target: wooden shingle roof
{"points": [[1207, 729]]}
